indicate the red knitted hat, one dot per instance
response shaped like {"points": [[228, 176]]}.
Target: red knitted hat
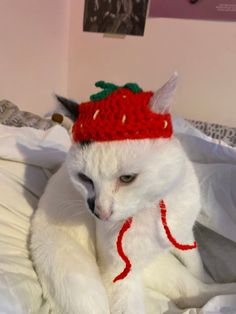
{"points": [[120, 113]]}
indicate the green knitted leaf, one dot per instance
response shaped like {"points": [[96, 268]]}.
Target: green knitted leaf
{"points": [[109, 88], [106, 85], [134, 87]]}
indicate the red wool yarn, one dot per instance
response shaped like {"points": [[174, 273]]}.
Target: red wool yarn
{"points": [[183, 247], [120, 251], [121, 115], [127, 225]]}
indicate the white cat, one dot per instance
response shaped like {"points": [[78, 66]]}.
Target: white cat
{"points": [[75, 253]]}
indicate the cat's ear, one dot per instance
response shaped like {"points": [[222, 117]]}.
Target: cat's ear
{"points": [[162, 98], [71, 106]]}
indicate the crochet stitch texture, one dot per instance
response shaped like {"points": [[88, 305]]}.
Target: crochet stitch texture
{"points": [[122, 115]]}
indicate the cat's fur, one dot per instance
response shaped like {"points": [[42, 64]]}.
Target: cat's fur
{"points": [[75, 252]]}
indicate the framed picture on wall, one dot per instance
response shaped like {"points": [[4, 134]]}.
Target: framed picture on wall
{"points": [[224, 10], [125, 17]]}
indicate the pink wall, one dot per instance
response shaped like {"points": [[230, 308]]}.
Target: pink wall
{"points": [[203, 52], [43, 50], [33, 52]]}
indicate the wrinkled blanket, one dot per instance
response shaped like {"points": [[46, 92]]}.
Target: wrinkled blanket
{"points": [[27, 159]]}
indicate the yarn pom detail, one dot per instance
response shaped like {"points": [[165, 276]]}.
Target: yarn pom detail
{"points": [[120, 250]]}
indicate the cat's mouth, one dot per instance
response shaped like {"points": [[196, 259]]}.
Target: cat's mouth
{"points": [[103, 214], [100, 213]]}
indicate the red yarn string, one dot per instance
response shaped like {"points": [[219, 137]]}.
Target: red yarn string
{"points": [[128, 265], [183, 247], [127, 225]]}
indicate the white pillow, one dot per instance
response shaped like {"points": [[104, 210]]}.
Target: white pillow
{"points": [[22, 180], [20, 187]]}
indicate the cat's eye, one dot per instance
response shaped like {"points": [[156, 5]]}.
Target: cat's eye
{"points": [[129, 178], [85, 179]]}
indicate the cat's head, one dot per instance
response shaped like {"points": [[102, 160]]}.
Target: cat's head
{"points": [[120, 178]]}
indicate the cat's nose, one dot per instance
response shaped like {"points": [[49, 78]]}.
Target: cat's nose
{"points": [[102, 213]]}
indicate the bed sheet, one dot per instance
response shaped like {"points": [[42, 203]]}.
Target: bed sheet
{"points": [[27, 158]]}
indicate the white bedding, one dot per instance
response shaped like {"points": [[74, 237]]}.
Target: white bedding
{"points": [[27, 155]]}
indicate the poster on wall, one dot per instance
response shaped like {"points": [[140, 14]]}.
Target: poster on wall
{"points": [[224, 10], [126, 17]]}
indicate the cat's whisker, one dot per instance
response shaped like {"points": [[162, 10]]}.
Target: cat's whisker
{"points": [[113, 228], [70, 206], [78, 214], [71, 202]]}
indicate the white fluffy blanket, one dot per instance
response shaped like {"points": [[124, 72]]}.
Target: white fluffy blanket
{"points": [[27, 156]]}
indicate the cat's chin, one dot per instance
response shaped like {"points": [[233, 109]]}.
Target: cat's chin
{"points": [[112, 219], [117, 217]]}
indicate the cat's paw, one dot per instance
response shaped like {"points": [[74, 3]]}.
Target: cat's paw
{"points": [[124, 310], [203, 293], [134, 306], [125, 296], [87, 296], [191, 302], [127, 311]]}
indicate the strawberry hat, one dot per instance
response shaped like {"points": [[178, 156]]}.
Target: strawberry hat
{"points": [[120, 113]]}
